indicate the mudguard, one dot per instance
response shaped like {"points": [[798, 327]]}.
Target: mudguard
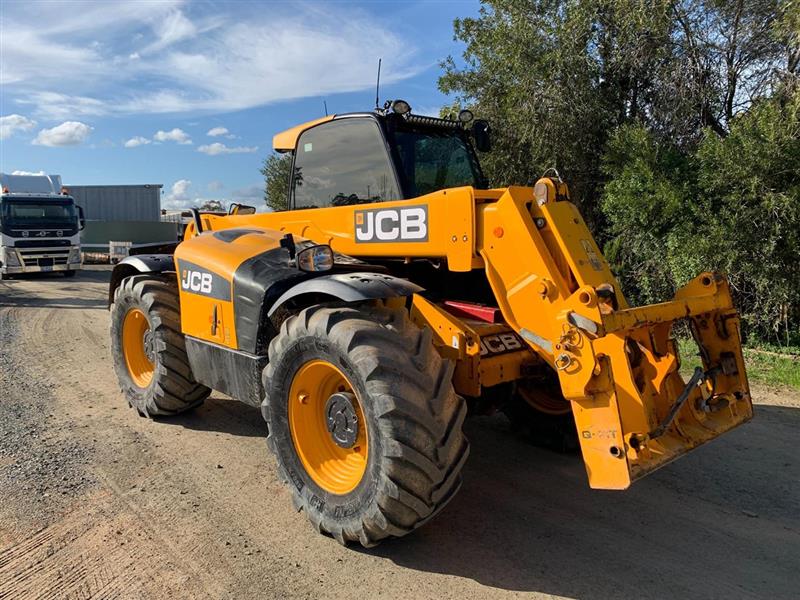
{"points": [[142, 263], [350, 287]]}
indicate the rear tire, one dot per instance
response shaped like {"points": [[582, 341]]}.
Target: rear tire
{"points": [[538, 412], [412, 417], [148, 348]]}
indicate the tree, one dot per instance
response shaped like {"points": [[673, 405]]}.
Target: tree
{"points": [[276, 170], [675, 122], [212, 205], [731, 206], [557, 78]]}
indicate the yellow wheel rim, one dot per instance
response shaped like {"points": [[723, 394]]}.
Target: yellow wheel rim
{"points": [[335, 469], [137, 347], [543, 401]]}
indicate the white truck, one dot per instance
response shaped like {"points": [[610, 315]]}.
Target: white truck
{"points": [[40, 226]]}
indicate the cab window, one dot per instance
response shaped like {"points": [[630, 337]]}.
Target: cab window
{"points": [[340, 163]]}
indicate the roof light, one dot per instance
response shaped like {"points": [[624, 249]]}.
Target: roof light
{"points": [[401, 107], [465, 116]]}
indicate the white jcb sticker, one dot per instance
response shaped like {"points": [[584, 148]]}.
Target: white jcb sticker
{"points": [[196, 282], [407, 224]]}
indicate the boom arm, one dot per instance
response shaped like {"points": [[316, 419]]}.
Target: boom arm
{"points": [[617, 365]]}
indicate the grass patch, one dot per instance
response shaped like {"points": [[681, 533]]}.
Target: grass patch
{"points": [[772, 365]]}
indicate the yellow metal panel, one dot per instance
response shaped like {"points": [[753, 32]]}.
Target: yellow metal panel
{"points": [[450, 227], [286, 141], [221, 258]]}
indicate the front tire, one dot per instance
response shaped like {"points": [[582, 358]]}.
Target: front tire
{"points": [[395, 399], [149, 350]]}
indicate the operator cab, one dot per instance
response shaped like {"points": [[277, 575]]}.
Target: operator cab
{"points": [[388, 154]]}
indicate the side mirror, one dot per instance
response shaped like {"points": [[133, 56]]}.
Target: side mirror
{"points": [[315, 258], [241, 209], [81, 218], [481, 132]]}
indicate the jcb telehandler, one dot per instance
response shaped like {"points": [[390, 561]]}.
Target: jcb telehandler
{"points": [[398, 289]]}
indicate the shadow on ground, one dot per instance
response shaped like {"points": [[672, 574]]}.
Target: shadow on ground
{"points": [[222, 415], [55, 290], [721, 522]]}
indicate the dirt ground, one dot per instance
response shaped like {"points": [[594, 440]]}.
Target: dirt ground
{"points": [[96, 502]]}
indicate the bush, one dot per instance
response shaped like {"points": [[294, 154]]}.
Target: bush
{"points": [[733, 205]]}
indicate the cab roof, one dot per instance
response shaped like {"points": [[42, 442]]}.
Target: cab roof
{"points": [[286, 141]]}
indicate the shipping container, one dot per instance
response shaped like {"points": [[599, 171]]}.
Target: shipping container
{"points": [[119, 202]]}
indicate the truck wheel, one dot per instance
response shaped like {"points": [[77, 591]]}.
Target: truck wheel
{"points": [[541, 415], [363, 421], [148, 348]]}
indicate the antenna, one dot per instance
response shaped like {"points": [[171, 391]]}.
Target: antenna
{"points": [[325, 104], [378, 85]]}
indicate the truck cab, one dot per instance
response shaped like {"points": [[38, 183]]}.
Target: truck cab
{"points": [[40, 226]]}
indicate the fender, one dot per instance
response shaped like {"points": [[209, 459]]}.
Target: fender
{"points": [[141, 263], [349, 287]]}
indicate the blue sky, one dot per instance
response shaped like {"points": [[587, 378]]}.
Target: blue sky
{"points": [[189, 94]]}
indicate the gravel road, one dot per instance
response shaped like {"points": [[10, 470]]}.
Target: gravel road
{"points": [[96, 502]]}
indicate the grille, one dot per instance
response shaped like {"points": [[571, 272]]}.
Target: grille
{"points": [[40, 244], [44, 257]]}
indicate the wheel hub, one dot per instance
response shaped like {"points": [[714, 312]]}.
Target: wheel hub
{"points": [[149, 346], [341, 419]]}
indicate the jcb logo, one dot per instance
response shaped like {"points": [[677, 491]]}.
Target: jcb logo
{"points": [[500, 343], [407, 224], [196, 281]]}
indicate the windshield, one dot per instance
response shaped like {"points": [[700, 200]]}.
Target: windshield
{"points": [[21, 213], [433, 159]]}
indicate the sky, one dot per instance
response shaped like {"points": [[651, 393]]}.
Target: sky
{"points": [[189, 94]]}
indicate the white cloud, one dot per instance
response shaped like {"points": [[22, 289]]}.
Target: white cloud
{"points": [[28, 172], [215, 186], [174, 28], [179, 196], [217, 131], [11, 124], [219, 148], [56, 106], [136, 141], [174, 135], [189, 60], [69, 133]]}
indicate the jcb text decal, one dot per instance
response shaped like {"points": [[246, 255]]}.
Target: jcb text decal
{"points": [[501, 343], [197, 280], [402, 224]]}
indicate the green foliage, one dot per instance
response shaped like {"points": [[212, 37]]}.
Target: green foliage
{"points": [[733, 205], [276, 170], [675, 124], [645, 203]]}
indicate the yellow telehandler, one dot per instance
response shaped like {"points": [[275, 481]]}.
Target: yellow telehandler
{"points": [[397, 290]]}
